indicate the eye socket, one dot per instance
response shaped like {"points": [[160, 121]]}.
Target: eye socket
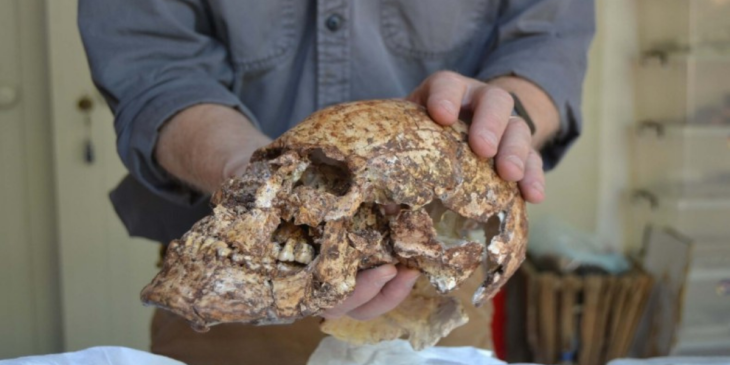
{"points": [[456, 230], [493, 227], [326, 174], [267, 154]]}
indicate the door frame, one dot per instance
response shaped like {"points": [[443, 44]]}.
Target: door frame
{"points": [[102, 270]]}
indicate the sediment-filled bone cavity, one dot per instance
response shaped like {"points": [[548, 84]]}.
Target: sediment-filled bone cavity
{"points": [[325, 174], [452, 229]]}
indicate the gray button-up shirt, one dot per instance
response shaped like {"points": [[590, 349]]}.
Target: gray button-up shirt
{"points": [[277, 61]]}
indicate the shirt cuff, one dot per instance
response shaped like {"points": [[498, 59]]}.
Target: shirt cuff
{"points": [[139, 122], [561, 83]]}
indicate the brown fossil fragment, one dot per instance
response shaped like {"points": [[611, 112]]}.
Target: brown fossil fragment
{"points": [[423, 318], [287, 238]]}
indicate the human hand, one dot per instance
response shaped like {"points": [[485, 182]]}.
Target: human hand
{"points": [[206, 144], [377, 291], [494, 132]]}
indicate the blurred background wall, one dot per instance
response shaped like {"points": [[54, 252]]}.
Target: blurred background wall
{"points": [[588, 189]]}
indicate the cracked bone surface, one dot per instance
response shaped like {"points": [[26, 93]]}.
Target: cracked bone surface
{"points": [[287, 238]]}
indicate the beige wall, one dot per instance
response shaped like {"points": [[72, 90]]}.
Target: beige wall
{"points": [[571, 188], [589, 188], [620, 51]]}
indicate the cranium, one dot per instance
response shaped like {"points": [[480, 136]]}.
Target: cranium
{"points": [[286, 239]]}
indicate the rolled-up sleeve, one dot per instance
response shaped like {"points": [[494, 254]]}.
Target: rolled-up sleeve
{"points": [[546, 42], [151, 59]]}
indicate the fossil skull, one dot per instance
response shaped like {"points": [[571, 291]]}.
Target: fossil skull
{"points": [[287, 238]]}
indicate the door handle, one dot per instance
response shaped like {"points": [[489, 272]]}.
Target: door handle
{"points": [[85, 105]]}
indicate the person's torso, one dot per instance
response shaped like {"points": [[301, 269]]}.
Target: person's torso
{"points": [[292, 57]]}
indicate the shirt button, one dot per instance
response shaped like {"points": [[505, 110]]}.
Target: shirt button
{"points": [[334, 22]]}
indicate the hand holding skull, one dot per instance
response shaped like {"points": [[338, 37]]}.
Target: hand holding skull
{"points": [[494, 133]]}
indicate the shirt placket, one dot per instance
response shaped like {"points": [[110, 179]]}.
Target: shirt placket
{"points": [[333, 52]]}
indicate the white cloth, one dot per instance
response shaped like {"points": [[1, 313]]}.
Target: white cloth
{"points": [[334, 352], [96, 356], [674, 361], [398, 352]]}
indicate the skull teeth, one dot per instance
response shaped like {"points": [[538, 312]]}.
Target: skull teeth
{"points": [[296, 251]]}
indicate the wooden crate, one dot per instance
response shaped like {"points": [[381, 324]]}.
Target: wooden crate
{"points": [[590, 319]]}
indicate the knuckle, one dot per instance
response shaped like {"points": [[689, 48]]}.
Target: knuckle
{"points": [[536, 159], [518, 125], [499, 95], [448, 76], [390, 294], [481, 92], [394, 294], [513, 157], [522, 150], [487, 130]]}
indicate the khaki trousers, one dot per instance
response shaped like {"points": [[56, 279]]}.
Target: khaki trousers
{"points": [[286, 344]]}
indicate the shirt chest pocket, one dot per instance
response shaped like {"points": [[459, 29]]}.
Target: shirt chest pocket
{"points": [[435, 28], [259, 33]]}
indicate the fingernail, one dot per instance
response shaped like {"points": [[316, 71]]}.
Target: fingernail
{"points": [[539, 186], [516, 161], [448, 106]]}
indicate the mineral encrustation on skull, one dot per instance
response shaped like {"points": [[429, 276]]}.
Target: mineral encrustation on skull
{"points": [[287, 238]]}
